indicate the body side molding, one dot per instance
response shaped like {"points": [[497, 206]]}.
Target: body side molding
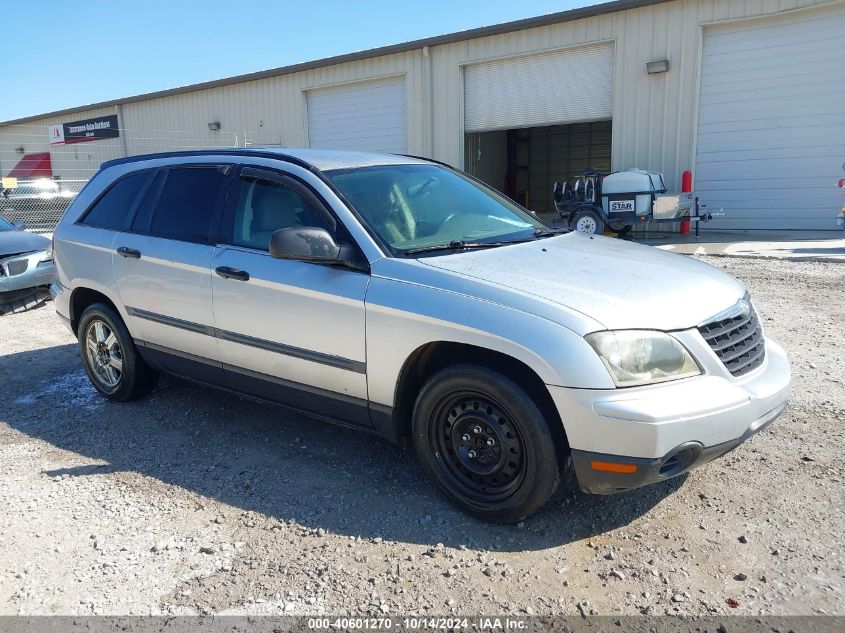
{"points": [[348, 364]]}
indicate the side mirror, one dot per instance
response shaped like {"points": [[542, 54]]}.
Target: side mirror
{"points": [[307, 243]]}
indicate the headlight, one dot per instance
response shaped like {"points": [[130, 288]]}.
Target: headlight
{"points": [[642, 357], [45, 256]]}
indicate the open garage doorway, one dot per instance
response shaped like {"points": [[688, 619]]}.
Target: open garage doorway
{"points": [[524, 163]]}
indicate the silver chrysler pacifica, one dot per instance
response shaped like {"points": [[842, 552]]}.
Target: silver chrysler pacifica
{"points": [[403, 297]]}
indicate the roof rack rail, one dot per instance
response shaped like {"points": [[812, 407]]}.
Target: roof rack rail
{"points": [[235, 151]]}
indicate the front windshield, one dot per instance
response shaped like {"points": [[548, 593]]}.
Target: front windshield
{"points": [[423, 205], [6, 226]]}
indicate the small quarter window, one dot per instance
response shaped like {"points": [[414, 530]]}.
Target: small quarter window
{"points": [[110, 211]]}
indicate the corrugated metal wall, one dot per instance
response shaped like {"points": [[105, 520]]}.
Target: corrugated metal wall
{"points": [[561, 151], [273, 111], [653, 116]]}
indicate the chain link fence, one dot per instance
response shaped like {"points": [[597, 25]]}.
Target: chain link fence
{"points": [[38, 204], [40, 179]]}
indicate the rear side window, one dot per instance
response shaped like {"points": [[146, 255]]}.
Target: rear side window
{"points": [[110, 211], [186, 204]]}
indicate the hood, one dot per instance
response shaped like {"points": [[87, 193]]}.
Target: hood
{"points": [[617, 283], [14, 242]]}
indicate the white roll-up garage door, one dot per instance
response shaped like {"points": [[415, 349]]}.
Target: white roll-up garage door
{"points": [[367, 115], [771, 125], [567, 86]]}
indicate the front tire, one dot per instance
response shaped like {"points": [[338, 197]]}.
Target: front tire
{"points": [[485, 444], [109, 356]]}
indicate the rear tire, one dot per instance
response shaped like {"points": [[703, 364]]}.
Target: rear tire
{"points": [[110, 358], [621, 229], [484, 443], [587, 221]]}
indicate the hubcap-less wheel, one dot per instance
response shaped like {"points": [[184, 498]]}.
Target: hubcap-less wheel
{"points": [[586, 224], [478, 446], [105, 356], [485, 443]]}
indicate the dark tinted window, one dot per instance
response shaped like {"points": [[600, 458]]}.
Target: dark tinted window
{"points": [[264, 207], [110, 211], [186, 204], [144, 214]]}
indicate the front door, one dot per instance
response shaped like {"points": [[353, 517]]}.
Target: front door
{"points": [[289, 331]]}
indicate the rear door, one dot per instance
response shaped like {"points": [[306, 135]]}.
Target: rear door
{"points": [[289, 331], [162, 267], [84, 248]]}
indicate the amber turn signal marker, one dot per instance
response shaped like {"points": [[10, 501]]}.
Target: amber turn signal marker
{"points": [[611, 467]]}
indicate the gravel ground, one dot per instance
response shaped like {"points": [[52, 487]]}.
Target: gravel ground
{"points": [[194, 501]]}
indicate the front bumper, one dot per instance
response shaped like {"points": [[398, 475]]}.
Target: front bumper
{"points": [[626, 438], [679, 460], [36, 273]]}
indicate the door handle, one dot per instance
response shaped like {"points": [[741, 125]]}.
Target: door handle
{"points": [[232, 273], [133, 253]]}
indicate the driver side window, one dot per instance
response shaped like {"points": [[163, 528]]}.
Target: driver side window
{"points": [[264, 207]]}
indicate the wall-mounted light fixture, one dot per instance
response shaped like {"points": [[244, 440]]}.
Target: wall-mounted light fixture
{"points": [[655, 68], [214, 126], [20, 150]]}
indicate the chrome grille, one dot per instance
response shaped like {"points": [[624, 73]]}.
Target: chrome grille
{"points": [[737, 341], [17, 267]]}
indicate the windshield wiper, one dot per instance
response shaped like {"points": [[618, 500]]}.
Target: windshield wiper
{"points": [[455, 245], [550, 232]]}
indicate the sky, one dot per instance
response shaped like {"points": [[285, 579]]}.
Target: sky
{"points": [[71, 53]]}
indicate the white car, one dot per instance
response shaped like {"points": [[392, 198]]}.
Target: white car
{"points": [[402, 297]]}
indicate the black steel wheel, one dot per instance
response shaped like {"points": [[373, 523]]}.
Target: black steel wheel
{"points": [[485, 443], [483, 453]]}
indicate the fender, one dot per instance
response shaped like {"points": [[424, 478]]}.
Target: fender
{"points": [[402, 316]]}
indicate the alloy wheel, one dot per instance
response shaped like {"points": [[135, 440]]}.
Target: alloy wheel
{"points": [[105, 356]]}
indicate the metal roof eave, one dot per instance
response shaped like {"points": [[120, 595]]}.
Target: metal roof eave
{"points": [[438, 40]]}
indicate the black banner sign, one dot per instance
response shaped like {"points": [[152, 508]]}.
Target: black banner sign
{"points": [[91, 129]]}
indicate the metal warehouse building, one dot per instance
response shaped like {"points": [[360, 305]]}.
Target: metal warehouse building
{"points": [[746, 93]]}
